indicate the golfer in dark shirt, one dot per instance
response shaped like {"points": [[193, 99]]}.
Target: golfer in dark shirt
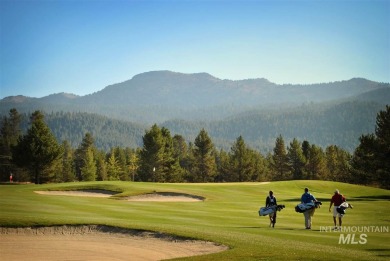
{"points": [[271, 201]]}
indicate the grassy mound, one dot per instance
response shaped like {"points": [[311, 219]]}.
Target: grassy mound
{"points": [[227, 215]]}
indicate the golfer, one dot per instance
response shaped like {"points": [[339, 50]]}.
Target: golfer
{"points": [[337, 200], [269, 202], [308, 198]]}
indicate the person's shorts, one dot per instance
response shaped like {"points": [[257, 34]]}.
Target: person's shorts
{"points": [[335, 213]]}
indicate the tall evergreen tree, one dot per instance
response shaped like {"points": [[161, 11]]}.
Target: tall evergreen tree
{"points": [[261, 166], [241, 161], [81, 154], [132, 163], [280, 162], [296, 159], [382, 132], [113, 168], [158, 161], [171, 170], [151, 155], [38, 150], [88, 170], [337, 164], [316, 166], [306, 149], [120, 155], [205, 166], [68, 172], [180, 147], [223, 167], [101, 166], [9, 133], [188, 164], [371, 159]]}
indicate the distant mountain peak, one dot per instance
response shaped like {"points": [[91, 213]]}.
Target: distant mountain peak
{"points": [[16, 99], [63, 94], [171, 74]]}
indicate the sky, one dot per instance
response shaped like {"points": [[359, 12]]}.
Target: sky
{"points": [[81, 47]]}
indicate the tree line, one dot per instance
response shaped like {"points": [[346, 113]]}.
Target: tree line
{"points": [[36, 156]]}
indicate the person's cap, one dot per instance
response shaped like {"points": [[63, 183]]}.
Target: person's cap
{"points": [[336, 191]]}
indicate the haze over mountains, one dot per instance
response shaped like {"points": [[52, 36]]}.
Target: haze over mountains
{"points": [[257, 109]]}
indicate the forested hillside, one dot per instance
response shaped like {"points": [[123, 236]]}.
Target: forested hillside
{"points": [[323, 124], [108, 133], [340, 124]]}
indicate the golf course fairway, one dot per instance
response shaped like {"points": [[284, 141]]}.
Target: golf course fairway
{"points": [[224, 213]]}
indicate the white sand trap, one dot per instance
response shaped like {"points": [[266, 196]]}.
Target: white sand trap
{"points": [[96, 243], [80, 193], [157, 197], [166, 197]]}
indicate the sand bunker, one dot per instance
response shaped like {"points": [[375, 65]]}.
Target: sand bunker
{"points": [[80, 193], [158, 196], [96, 243]]}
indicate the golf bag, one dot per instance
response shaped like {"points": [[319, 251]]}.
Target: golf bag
{"points": [[342, 208], [303, 207], [264, 211]]}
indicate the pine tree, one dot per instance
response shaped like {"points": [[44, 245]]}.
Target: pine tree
{"points": [[171, 170], [81, 154], [364, 161], [132, 163], [157, 159], [296, 159], [223, 167], [88, 170], [151, 155], [180, 147], [241, 162], [205, 166], [306, 149], [382, 132], [38, 150], [337, 164], [9, 134], [68, 173], [261, 166], [280, 165], [113, 168], [188, 164], [371, 159], [101, 166], [316, 165], [121, 158]]}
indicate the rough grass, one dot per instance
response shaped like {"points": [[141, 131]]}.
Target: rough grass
{"points": [[228, 215]]}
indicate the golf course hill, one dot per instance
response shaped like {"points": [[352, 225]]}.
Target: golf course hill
{"points": [[221, 218]]}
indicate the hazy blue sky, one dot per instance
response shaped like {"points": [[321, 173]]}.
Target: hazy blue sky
{"points": [[82, 46]]}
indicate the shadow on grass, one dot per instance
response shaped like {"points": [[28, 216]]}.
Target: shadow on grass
{"points": [[299, 200], [371, 198], [15, 183], [279, 228], [361, 198], [380, 250]]}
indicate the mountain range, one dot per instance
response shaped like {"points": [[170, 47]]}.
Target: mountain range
{"points": [[257, 109]]}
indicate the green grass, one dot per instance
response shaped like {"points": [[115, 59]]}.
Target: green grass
{"points": [[227, 216]]}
